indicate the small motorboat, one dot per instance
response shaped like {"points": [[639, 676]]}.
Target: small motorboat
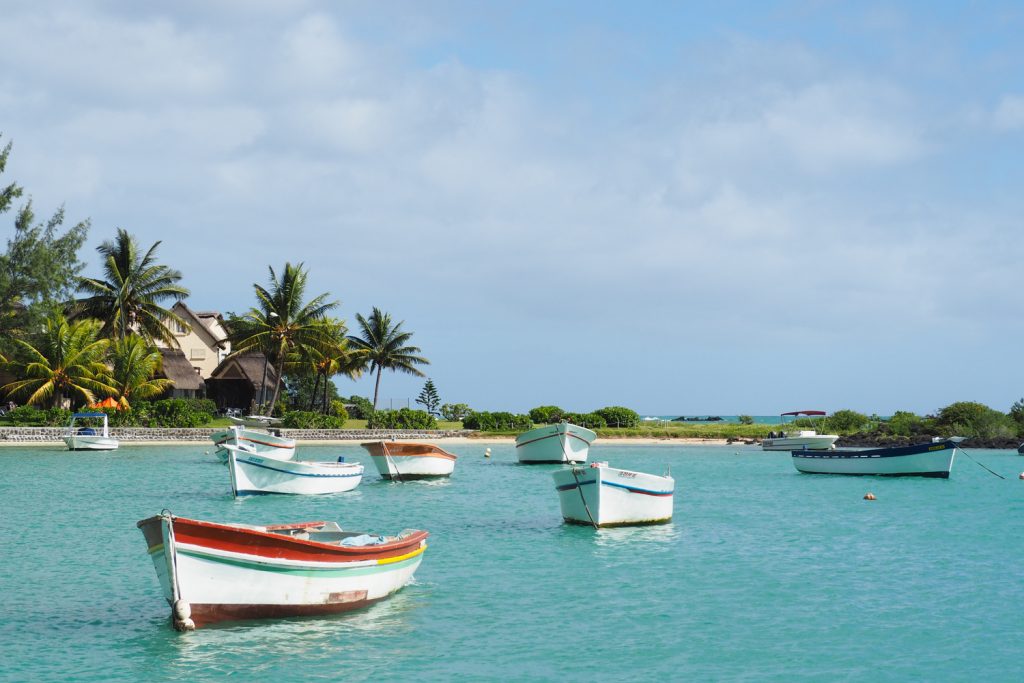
{"points": [[256, 441], [253, 474], [932, 459], [259, 421], [401, 460], [211, 572], [603, 496], [89, 432], [561, 442], [800, 439]]}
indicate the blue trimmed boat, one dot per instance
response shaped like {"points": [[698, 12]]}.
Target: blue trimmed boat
{"points": [[562, 442], [253, 473], [602, 496], [933, 459]]}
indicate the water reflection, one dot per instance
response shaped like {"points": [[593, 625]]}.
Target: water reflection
{"points": [[305, 640]]}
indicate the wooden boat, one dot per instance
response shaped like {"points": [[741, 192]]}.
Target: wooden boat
{"points": [[933, 459], [253, 473], [562, 442], [257, 441], [801, 439], [406, 460], [604, 496], [259, 421], [94, 436], [212, 572]]}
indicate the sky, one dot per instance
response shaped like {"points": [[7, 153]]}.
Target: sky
{"points": [[683, 208]]}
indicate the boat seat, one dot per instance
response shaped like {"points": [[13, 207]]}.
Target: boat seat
{"points": [[86, 431]]}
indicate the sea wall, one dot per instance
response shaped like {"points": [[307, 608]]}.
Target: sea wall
{"points": [[55, 434]]}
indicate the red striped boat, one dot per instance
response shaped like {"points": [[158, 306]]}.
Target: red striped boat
{"points": [[211, 572], [409, 460]]}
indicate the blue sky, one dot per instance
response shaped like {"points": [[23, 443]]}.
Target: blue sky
{"points": [[689, 208]]}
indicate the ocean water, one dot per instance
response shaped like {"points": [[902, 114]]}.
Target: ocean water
{"points": [[764, 575]]}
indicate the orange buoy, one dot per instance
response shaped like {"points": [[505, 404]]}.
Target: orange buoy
{"points": [[869, 496]]}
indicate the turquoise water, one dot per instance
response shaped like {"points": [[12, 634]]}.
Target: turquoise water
{"points": [[765, 574]]}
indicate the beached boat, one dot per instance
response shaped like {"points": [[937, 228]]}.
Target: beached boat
{"points": [[562, 442], [256, 441], [93, 435], [604, 496], [933, 459], [252, 473], [212, 572], [407, 460], [800, 439]]}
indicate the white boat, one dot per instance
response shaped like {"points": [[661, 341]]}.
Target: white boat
{"points": [[604, 496], [934, 459], [252, 473], [94, 435], [210, 572], [561, 442], [259, 421], [400, 460], [800, 439], [256, 441]]}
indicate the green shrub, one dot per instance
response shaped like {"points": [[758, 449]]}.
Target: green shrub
{"points": [[26, 416], [359, 408], [745, 419], [847, 421], [967, 418], [177, 412], [546, 414], [338, 410], [497, 422], [904, 423], [304, 419], [455, 412], [403, 418], [588, 420], [617, 416]]}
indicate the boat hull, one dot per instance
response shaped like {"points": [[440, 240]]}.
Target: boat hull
{"points": [[225, 573], [404, 460], [817, 442], [259, 442], [91, 443], [606, 496], [922, 460], [562, 442], [253, 474]]}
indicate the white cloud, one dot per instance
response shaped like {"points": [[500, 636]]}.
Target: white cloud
{"points": [[1009, 113]]}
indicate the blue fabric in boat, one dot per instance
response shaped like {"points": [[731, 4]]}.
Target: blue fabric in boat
{"points": [[361, 540]]}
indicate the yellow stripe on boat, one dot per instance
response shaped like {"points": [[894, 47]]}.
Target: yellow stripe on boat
{"points": [[414, 553]]}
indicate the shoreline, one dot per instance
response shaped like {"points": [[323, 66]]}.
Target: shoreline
{"points": [[631, 441]]}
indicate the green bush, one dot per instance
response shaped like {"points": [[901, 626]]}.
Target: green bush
{"points": [[455, 412], [967, 418], [403, 418], [846, 421], [303, 419], [497, 422], [338, 410], [745, 419], [588, 420], [617, 416], [177, 412], [25, 416], [359, 408], [546, 414], [904, 423]]}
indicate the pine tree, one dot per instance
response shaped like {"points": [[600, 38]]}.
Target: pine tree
{"points": [[428, 398]]}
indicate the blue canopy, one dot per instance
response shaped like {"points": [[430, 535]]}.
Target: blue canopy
{"points": [[89, 415]]}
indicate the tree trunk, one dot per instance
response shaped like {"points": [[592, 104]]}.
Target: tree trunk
{"points": [[376, 387], [312, 395], [326, 380], [263, 384], [279, 367]]}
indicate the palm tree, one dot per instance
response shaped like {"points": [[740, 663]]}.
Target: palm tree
{"points": [[134, 362], [68, 361], [129, 300], [282, 326], [386, 347], [331, 357]]}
